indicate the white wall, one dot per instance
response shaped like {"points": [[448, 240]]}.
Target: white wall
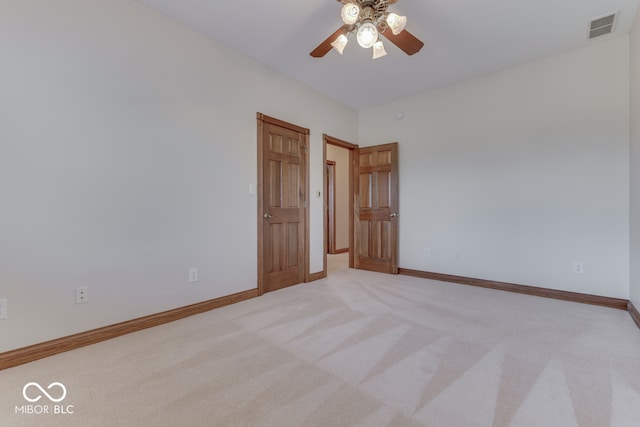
{"points": [[523, 171], [127, 146], [341, 157], [634, 45]]}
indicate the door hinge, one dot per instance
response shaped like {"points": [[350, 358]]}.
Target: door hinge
{"points": [[305, 204], [304, 147]]}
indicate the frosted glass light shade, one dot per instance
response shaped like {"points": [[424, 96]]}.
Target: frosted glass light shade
{"points": [[378, 50], [367, 35], [339, 43], [350, 13], [396, 23]]}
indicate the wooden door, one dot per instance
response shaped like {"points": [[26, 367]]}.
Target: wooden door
{"points": [[282, 210], [376, 209]]}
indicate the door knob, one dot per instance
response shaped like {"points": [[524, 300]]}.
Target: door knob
{"points": [[393, 215], [267, 216]]}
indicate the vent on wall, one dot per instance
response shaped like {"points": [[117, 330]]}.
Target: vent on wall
{"points": [[602, 26]]}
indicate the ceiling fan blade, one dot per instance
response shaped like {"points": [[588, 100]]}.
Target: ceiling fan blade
{"points": [[406, 41], [324, 47]]}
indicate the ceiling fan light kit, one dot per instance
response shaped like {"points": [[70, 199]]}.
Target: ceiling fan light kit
{"points": [[378, 50], [350, 13], [396, 23], [340, 43], [368, 19], [367, 35]]}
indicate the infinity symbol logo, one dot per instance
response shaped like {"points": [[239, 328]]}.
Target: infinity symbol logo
{"points": [[43, 391]]}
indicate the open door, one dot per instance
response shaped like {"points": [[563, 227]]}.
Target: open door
{"points": [[376, 208]]}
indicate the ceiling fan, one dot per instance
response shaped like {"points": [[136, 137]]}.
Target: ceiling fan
{"points": [[367, 19]]}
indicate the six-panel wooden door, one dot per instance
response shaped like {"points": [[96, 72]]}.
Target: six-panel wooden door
{"points": [[376, 209], [283, 206]]}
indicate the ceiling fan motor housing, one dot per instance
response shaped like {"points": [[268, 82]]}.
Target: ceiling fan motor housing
{"points": [[373, 11]]}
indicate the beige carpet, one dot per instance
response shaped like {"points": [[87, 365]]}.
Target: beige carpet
{"points": [[337, 262], [355, 349]]}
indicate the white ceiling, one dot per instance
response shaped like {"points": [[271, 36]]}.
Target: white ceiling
{"points": [[463, 39]]}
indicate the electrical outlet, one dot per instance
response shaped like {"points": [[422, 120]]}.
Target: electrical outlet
{"points": [[82, 295], [193, 275], [578, 267], [3, 309], [457, 256], [427, 252]]}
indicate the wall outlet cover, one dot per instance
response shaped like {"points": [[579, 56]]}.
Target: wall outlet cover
{"points": [[82, 295]]}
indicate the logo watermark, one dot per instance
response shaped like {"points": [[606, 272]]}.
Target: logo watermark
{"points": [[55, 393]]}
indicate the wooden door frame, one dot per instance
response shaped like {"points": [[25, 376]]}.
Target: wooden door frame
{"points": [[262, 119], [353, 149], [330, 191]]}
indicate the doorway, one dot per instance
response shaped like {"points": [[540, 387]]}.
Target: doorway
{"points": [[283, 217], [330, 190], [339, 158], [373, 206], [337, 190]]}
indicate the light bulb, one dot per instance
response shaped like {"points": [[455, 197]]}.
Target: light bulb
{"points": [[350, 13], [339, 43], [367, 35], [378, 50], [396, 23]]}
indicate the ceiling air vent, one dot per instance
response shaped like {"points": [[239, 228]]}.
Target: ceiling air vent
{"points": [[601, 26]]}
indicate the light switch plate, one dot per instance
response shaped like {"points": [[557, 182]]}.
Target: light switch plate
{"points": [[3, 309]]}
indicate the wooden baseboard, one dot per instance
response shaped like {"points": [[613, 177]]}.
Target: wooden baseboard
{"points": [[618, 303], [340, 251], [34, 352], [634, 313], [316, 276]]}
